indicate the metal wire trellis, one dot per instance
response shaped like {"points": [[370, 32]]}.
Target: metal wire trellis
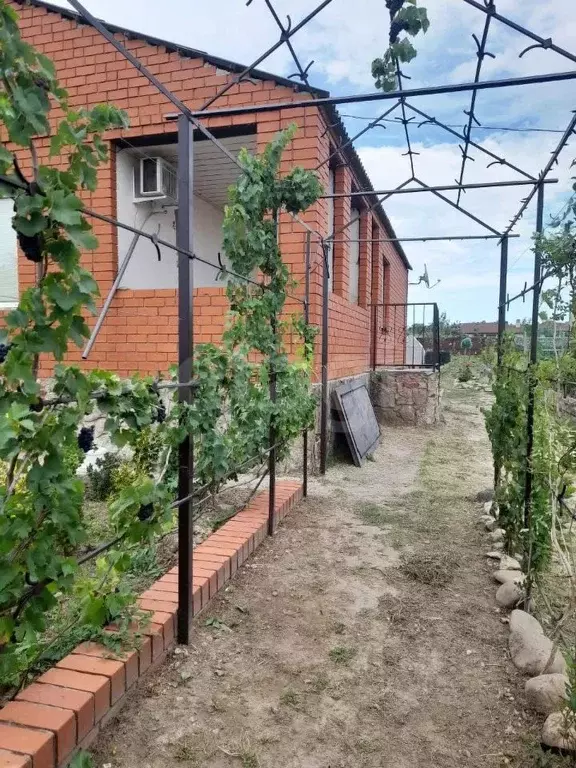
{"points": [[191, 120]]}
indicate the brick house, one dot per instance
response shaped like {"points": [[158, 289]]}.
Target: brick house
{"points": [[140, 331]]}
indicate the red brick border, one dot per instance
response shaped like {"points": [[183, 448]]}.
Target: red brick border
{"points": [[66, 707]]}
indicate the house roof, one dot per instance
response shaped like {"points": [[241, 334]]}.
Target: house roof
{"points": [[479, 328], [350, 154], [491, 329]]}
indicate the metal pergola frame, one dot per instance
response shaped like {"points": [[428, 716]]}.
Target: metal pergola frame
{"points": [[191, 120]]}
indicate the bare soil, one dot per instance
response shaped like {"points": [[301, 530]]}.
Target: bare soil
{"points": [[364, 635]]}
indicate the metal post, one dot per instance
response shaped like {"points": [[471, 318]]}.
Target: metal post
{"points": [[306, 320], [528, 483], [502, 297], [184, 239], [272, 436], [436, 337], [374, 335], [324, 402]]}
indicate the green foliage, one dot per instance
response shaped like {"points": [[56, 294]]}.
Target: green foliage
{"points": [[553, 458], [43, 529], [82, 759], [341, 654], [405, 16], [465, 373], [232, 411], [99, 484]]}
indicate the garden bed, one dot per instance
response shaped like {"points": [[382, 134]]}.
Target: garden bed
{"points": [[65, 708]]}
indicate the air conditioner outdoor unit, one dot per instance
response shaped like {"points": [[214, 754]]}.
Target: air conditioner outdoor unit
{"points": [[155, 179]]}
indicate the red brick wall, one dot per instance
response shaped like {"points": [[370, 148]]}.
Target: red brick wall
{"points": [[140, 332]]}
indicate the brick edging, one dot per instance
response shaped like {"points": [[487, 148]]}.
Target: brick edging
{"points": [[64, 709]]}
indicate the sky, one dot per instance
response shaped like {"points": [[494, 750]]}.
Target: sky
{"points": [[342, 45]]}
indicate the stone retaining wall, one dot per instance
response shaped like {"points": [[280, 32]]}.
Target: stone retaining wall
{"points": [[406, 396]]}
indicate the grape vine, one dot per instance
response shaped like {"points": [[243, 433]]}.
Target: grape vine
{"points": [[42, 437], [405, 16]]}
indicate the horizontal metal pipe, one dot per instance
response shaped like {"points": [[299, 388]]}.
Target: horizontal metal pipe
{"points": [[442, 188], [358, 98], [422, 239]]}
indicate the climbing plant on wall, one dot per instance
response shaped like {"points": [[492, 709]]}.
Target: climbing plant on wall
{"points": [[42, 522]]}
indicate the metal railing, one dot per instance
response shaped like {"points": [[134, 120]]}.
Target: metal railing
{"points": [[405, 336]]}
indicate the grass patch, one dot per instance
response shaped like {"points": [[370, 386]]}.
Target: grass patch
{"points": [[249, 759], [319, 683], [290, 698], [193, 748], [341, 654], [436, 569], [372, 514]]}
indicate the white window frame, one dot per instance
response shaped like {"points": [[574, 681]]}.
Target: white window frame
{"points": [[331, 227], [9, 292], [354, 256]]}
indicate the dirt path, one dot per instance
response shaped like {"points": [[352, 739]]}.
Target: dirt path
{"points": [[364, 635]]}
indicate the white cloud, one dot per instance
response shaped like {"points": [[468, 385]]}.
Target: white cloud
{"points": [[468, 270]]}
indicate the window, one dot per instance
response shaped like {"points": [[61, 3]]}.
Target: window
{"points": [[385, 281], [8, 257], [354, 230], [331, 227]]}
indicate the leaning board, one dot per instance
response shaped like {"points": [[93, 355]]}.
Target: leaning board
{"points": [[358, 419]]}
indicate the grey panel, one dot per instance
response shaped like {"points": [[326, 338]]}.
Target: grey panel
{"points": [[358, 419]]}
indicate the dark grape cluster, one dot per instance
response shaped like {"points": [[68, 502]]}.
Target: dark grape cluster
{"points": [[396, 27], [394, 6], [86, 439], [145, 512], [4, 349], [160, 413], [32, 246]]}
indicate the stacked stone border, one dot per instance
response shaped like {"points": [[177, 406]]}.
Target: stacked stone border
{"points": [[64, 709]]}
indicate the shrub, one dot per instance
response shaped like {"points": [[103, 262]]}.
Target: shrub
{"points": [[99, 481], [465, 373]]}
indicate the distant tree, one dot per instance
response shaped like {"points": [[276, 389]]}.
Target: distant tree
{"points": [[447, 327]]}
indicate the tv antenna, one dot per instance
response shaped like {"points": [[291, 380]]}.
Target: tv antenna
{"points": [[425, 278]]}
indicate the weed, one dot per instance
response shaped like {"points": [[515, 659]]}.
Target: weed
{"points": [[465, 373], [535, 757], [82, 759], [290, 698], [433, 568], [249, 759], [215, 623], [342, 655], [193, 748], [319, 683], [184, 750], [366, 746]]}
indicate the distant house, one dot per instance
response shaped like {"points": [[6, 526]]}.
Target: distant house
{"points": [[485, 333], [482, 329]]}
